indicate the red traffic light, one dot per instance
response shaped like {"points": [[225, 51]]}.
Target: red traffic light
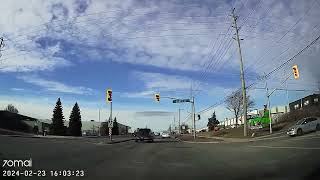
{"points": [[109, 95], [157, 97]]}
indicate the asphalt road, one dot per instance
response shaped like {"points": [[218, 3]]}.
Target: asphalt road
{"points": [[283, 158]]}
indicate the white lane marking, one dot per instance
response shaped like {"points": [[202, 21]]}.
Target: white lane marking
{"points": [[314, 137], [287, 147], [210, 142]]}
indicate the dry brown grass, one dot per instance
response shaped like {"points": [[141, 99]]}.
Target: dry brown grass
{"points": [[300, 113], [284, 122]]}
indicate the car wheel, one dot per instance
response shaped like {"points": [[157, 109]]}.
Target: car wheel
{"points": [[299, 132], [318, 127]]}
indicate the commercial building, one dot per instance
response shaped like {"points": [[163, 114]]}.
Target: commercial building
{"points": [[16, 122], [123, 129], [305, 102]]}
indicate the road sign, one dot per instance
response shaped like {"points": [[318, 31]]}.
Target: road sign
{"points": [[110, 132], [181, 100], [110, 124]]}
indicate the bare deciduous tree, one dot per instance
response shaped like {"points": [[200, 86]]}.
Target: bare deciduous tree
{"points": [[234, 104], [12, 109]]}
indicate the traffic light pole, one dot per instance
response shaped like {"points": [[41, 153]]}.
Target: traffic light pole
{"points": [[110, 121], [268, 98], [193, 118], [179, 122]]}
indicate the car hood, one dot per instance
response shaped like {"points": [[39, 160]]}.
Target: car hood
{"points": [[293, 127]]}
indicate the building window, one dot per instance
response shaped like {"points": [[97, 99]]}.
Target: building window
{"points": [[296, 106], [306, 102], [316, 100]]}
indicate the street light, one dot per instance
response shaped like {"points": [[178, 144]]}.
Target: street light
{"points": [[92, 126]]}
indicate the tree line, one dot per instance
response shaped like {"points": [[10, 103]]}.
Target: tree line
{"points": [[75, 124]]}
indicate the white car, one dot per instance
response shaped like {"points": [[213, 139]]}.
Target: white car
{"points": [[305, 125], [165, 135]]}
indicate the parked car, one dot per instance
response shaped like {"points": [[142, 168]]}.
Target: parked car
{"points": [[157, 134], [256, 127], [144, 134], [304, 125], [165, 135]]}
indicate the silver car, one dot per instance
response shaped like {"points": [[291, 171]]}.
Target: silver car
{"points": [[305, 125]]}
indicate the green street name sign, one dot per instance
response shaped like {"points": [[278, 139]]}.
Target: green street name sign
{"points": [[181, 100]]}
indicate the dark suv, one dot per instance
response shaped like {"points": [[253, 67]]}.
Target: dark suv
{"points": [[144, 134]]}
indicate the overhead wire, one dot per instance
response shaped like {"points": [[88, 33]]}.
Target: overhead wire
{"points": [[266, 76]]}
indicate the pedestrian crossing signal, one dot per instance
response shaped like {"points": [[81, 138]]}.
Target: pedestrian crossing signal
{"points": [[109, 95], [157, 97], [295, 70]]}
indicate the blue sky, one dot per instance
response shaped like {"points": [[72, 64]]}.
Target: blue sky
{"points": [[77, 49]]}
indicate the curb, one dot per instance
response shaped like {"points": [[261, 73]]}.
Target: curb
{"points": [[63, 138], [121, 141], [192, 142]]}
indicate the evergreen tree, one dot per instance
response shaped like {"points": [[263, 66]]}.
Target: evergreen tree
{"points": [[115, 129], [75, 121], [58, 127], [212, 122]]}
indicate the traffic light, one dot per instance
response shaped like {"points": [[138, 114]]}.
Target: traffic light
{"points": [[109, 95], [295, 71], [157, 97]]}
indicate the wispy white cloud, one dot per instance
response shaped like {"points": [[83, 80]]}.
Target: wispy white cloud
{"points": [[165, 82], [145, 34], [56, 86], [17, 89], [142, 94]]}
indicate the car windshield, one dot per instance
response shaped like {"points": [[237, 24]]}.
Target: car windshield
{"points": [[160, 89], [300, 121], [144, 131]]}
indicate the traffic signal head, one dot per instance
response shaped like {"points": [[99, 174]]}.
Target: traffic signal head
{"points": [[157, 97], [295, 71], [109, 95]]}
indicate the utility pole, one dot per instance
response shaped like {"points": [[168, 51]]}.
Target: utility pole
{"points": [[174, 123], [111, 121], [268, 104], [192, 122], [243, 84], [179, 130], [269, 107], [99, 124]]}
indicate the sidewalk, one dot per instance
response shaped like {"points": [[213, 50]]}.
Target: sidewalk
{"points": [[115, 139], [230, 140]]}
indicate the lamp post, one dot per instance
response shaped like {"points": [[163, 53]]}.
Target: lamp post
{"points": [[92, 126]]}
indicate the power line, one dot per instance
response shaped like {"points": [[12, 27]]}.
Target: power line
{"points": [[219, 59], [267, 75], [298, 20]]}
